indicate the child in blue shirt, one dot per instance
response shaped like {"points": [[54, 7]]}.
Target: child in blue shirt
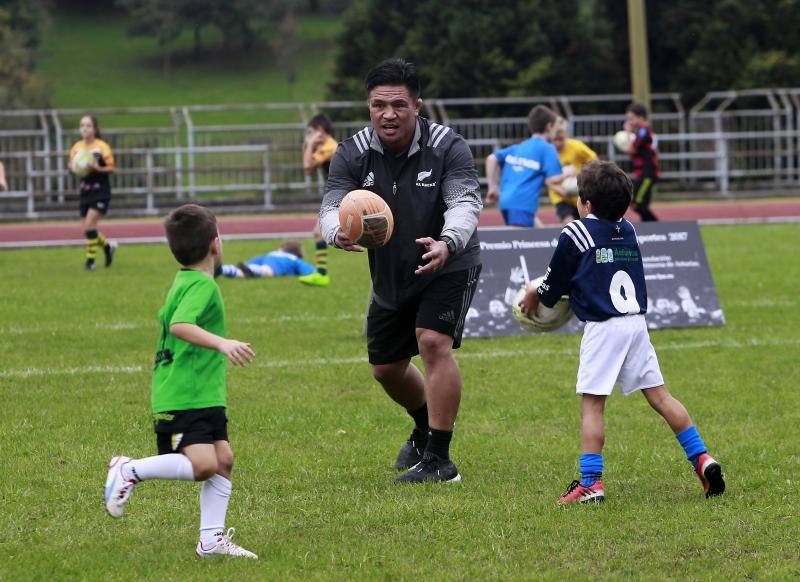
{"points": [[598, 264], [287, 261], [525, 167]]}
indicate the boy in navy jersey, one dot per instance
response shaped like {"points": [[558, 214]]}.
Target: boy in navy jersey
{"points": [[598, 263]]}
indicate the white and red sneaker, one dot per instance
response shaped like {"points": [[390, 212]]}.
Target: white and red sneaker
{"points": [[577, 493], [118, 490], [224, 547], [710, 474]]}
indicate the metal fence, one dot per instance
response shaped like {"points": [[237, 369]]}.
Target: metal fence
{"points": [[251, 154]]}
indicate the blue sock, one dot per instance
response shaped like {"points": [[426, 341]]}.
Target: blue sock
{"points": [[229, 270], [692, 443], [591, 467]]}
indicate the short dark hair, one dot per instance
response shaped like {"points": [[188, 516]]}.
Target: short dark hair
{"points": [[293, 246], [395, 72], [539, 118], [322, 121], [607, 187], [190, 230], [637, 109]]}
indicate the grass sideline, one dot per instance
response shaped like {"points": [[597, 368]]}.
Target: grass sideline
{"points": [[314, 436]]}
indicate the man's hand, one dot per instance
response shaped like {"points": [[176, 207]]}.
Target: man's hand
{"points": [[436, 254], [346, 244], [530, 303], [238, 353], [492, 196]]}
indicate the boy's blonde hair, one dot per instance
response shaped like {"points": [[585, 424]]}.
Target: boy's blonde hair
{"points": [[294, 247]]}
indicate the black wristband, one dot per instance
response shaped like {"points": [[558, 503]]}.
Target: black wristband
{"points": [[451, 244]]}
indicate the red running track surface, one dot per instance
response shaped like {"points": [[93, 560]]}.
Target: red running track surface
{"points": [[47, 234]]}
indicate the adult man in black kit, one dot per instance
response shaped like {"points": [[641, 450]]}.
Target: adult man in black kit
{"points": [[424, 278]]}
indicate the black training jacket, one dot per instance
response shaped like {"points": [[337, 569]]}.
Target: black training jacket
{"points": [[434, 192]]}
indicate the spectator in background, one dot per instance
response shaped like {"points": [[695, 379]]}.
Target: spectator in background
{"points": [[3, 181], [319, 145], [572, 154], [516, 173], [645, 160]]}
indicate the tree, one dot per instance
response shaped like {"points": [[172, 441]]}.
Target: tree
{"points": [[471, 48], [240, 22], [21, 27], [160, 19]]}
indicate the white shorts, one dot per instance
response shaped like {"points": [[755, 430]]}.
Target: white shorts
{"points": [[617, 351]]}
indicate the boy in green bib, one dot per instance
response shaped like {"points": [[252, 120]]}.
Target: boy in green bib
{"points": [[189, 396]]}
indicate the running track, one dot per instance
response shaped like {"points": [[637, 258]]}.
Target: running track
{"points": [[34, 234]]}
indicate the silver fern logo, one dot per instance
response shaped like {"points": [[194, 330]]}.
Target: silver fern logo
{"points": [[423, 175]]}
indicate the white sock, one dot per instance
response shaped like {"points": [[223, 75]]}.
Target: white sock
{"points": [[214, 496], [175, 467]]}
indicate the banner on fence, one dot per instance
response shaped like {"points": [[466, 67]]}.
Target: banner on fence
{"points": [[680, 289]]}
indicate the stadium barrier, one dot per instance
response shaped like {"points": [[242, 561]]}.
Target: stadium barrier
{"points": [[728, 141], [150, 175]]}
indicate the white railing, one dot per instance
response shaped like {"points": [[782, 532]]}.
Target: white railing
{"points": [[728, 140]]}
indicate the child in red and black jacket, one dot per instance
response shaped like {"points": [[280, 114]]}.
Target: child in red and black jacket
{"points": [[645, 160]]}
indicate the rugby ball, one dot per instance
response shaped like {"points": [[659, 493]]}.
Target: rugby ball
{"points": [[545, 318], [82, 162], [623, 140], [366, 219], [570, 186]]}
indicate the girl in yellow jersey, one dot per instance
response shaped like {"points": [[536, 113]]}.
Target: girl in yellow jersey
{"points": [[572, 154], [95, 189]]}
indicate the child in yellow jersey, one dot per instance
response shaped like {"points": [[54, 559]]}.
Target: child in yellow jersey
{"points": [[572, 154], [318, 149], [319, 145], [95, 189]]}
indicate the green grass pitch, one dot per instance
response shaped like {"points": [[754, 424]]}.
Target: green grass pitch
{"points": [[314, 436]]}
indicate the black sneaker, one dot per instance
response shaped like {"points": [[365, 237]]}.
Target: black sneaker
{"points": [[411, 452], [248, 274], [89, 266], [109, 249], [433, 469]]}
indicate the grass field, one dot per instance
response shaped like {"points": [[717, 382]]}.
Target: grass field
{"points": [[89, 60], [315, 438]]}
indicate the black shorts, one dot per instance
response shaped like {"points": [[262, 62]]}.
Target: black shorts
{"points": [[442, 306], [565, 210], [643, 190], [100, 204], [180, 428]]}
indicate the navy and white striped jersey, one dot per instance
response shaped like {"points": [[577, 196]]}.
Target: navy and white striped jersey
{"points": [[598, 264]]}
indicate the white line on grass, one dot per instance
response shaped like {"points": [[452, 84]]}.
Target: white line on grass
{"points": [[321, 362], [117, 325]]}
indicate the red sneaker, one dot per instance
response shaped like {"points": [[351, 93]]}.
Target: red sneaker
{"points": [[580, 494], [710, 474]]}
